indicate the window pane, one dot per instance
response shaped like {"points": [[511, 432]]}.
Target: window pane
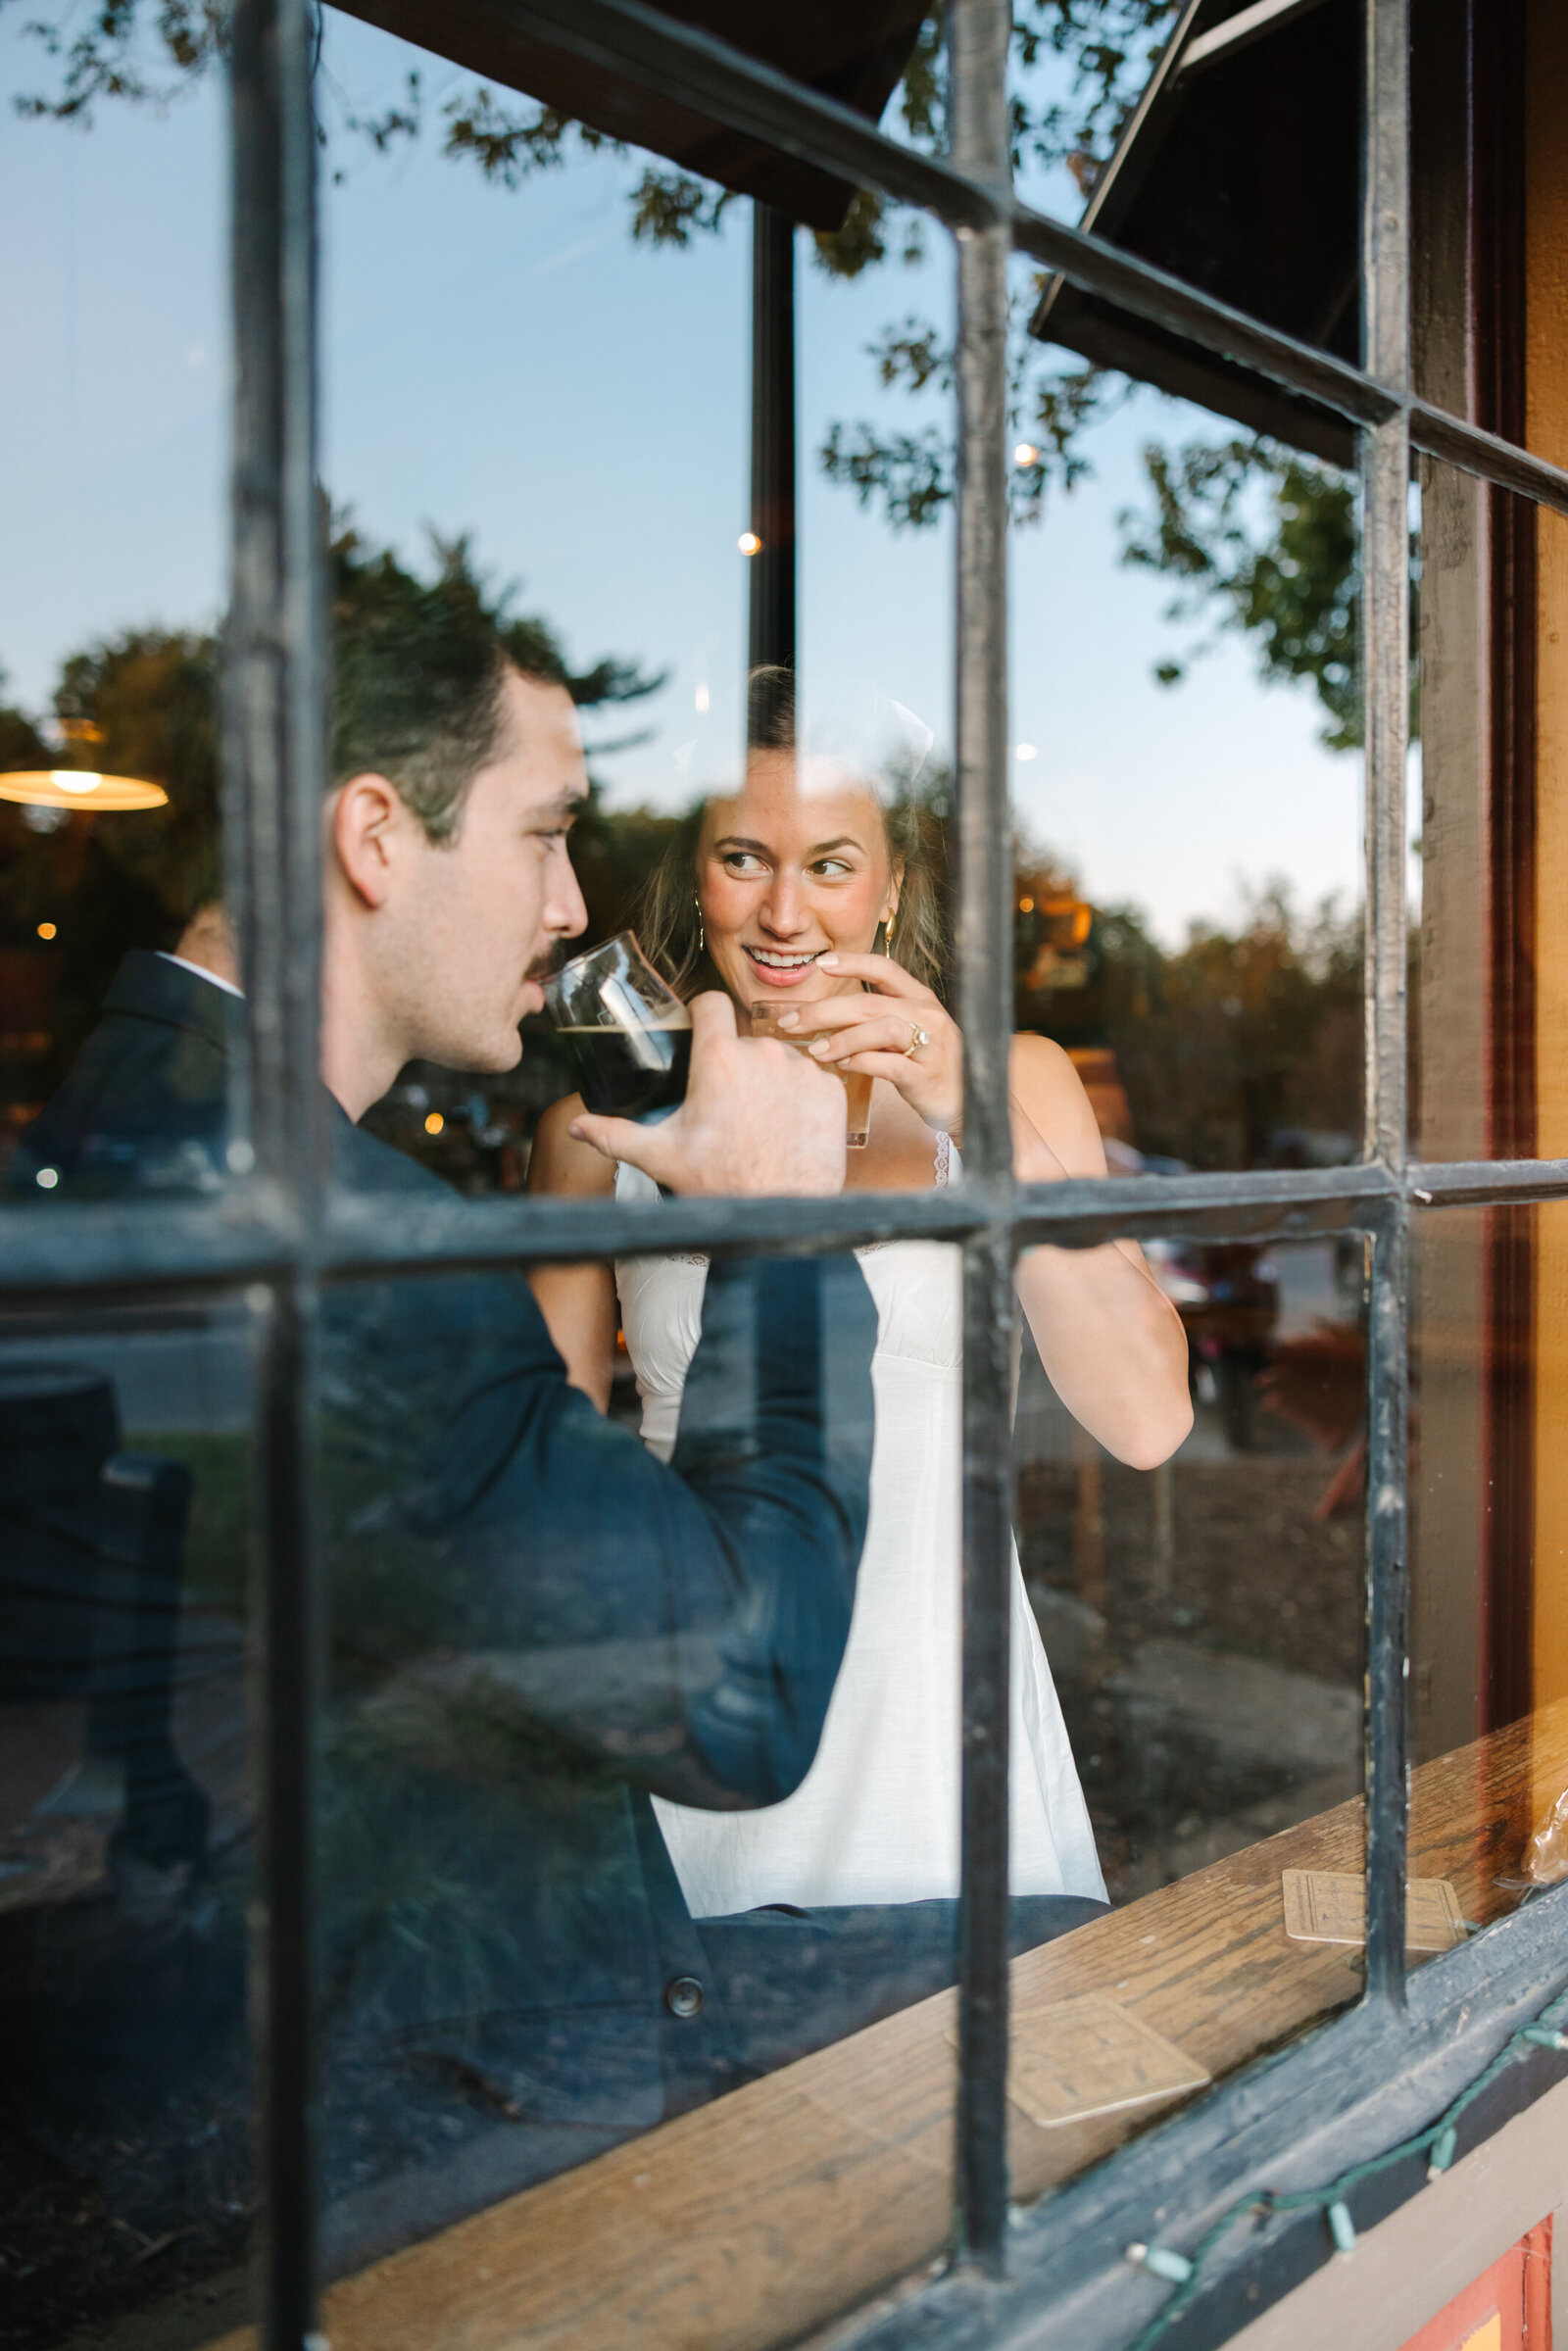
{"points": [[1203, 1616], [615, 436], [1186, 776], [126, 1817], [1488, 1671], [112, 514], [1494, 577], [631, 1834], [1233, 162], [1488, 178]]}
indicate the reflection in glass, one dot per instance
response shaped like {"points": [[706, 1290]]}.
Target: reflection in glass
{"points": [[126, 1816], [1203, 1621], [1494, 582], [1488, 1661], [1187, 781]]}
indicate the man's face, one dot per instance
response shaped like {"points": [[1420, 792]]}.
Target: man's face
{"points": [[483, 914]]}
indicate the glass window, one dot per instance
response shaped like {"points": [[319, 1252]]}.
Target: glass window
{"points": [[1492, 580], [1186, 776], [714, 1525], [128, 1850], [1487, 1666]]}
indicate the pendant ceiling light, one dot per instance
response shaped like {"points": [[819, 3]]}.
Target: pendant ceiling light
{"points": [[83, 788]]}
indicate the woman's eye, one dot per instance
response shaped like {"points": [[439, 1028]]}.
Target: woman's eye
{"points": [[830, 868], [741, 860]]}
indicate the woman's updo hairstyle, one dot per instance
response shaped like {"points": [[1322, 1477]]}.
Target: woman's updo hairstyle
{"points": [[665, 916]]}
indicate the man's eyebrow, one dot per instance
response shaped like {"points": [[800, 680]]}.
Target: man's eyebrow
{"points": [[565, 804]]}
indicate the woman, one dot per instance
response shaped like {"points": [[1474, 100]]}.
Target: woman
{"points": [[800, 891]]}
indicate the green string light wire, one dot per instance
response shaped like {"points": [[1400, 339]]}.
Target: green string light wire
{"points": [[1439, 2138]]}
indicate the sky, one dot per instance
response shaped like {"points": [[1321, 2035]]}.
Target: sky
{"points": [[510, 365]]}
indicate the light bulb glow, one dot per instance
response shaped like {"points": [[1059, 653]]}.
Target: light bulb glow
{"points": [[748, 542], [1025, 454], [77, 787], [1026, 751], [47, 930], [434, 1123]]}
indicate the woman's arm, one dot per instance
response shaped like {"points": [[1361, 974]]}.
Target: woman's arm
{"points": [[577, 1301], [1112, 1343]]}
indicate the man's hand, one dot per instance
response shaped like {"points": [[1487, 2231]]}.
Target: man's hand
{"points": [[757, 1118]]}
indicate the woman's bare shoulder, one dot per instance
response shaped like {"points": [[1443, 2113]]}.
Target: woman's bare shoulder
{"points": [[1045, 1082], [1039, 1071], [559, 1163]]}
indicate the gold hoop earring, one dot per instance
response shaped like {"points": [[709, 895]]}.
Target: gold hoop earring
{"points": [[702, 936]]}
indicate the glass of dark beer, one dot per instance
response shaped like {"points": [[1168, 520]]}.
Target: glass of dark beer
{"points": [[629, 1037]]}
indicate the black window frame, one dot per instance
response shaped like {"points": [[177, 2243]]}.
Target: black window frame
{"points": [[1357, 2083]]}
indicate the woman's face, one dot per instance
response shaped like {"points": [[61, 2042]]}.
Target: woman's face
{"points": [[795, 865]]}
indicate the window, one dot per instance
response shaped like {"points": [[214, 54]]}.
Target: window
{"points": [[256, 1683]]}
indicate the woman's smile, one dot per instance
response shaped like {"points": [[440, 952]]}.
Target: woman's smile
{"points": [[781, 966]]}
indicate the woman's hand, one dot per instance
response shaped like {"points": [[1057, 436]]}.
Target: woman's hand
{"points": [[871, 1036]]}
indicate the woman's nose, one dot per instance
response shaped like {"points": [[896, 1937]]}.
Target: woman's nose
{"points": [[783, 910]]}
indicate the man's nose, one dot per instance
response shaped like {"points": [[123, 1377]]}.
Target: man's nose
{"points": [[565, 913]]}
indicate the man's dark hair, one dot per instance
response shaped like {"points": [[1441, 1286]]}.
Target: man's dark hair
{"points": [[417, 672]]}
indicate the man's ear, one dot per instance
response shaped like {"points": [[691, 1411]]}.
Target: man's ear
{"points": [[363, 829]]}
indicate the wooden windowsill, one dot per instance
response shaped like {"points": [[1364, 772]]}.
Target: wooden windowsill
{"points": [[771, 2211]]}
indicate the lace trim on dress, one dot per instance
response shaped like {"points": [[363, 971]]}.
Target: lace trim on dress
{"points": [[943, 1161]]}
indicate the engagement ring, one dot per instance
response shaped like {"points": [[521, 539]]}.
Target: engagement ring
{"points": [[917, 1038]]}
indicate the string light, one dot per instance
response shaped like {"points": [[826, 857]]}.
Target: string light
{"points": [[748, 542], [434, 1123], [1438, 2143], [47, 930]]}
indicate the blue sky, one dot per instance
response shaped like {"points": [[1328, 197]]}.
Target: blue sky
{"points": [[511, 366]]}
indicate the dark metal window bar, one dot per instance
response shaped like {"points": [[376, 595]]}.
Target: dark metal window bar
{"points": [[282, 1229]]}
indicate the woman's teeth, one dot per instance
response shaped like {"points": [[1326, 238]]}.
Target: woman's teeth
{"points": [[780, 962]]}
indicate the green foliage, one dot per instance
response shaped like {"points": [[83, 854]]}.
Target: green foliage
{"points": [[907, 473], [1265, 540]]}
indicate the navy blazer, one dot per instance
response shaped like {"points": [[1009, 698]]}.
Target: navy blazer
{"points": [[533, 1624]]}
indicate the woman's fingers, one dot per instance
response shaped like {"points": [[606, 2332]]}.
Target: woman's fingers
{"points": [[878, 971], [870, 1037]]}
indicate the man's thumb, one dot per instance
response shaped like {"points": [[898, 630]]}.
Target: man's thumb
{"points": [[614, 1138]]}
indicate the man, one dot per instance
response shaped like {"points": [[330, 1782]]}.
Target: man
{"points": [[533, 1622]]}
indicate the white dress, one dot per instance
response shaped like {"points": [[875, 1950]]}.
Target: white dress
{"points": [[876, 1817]]}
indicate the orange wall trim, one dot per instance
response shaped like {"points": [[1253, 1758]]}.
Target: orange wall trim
{"points": [[1508, 2308]]}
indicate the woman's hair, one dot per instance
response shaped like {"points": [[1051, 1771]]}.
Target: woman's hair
{"points": [[667, 915]]}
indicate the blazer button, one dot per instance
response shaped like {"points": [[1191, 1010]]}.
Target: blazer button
{"points": [[684, 1996]]}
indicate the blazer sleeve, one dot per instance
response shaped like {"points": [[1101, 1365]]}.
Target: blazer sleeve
{"points": [[549, 1582]]}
